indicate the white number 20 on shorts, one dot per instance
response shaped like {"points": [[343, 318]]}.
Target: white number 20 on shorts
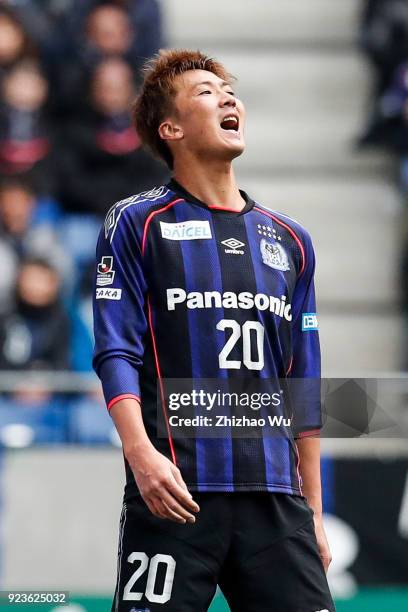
{"points": [[152, 564]]}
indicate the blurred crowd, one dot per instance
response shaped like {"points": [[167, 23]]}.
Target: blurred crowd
{"points": [[69, 70], [384, 39]]}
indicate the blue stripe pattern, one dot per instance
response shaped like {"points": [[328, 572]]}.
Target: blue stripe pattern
{"points": [[214, 456], [277, 450]]}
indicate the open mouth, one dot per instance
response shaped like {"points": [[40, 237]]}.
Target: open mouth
{"points": [[230, 123]]}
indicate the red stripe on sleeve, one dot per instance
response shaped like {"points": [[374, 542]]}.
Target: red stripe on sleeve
{"points": [[311, 432], [117, 399]]}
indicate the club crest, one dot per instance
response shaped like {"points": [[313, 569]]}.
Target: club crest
{"points": [[274, 255]]}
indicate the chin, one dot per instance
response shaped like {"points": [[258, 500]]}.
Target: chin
{"points": [[239, 151], [224, 151], [234, 151]]}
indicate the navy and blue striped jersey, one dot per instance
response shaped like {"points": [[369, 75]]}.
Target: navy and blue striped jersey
{"points": [[178, 282]]}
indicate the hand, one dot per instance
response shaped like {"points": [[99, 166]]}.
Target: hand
{"points": [[161, 486], [322, 542]]}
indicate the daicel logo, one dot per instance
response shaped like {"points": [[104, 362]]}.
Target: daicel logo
{"points": [[186, 230]]}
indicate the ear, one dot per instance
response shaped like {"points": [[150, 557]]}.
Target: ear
{"points": [[170, 131]]}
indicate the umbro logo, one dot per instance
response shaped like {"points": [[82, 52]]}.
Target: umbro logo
{"points": [[234, 246]]}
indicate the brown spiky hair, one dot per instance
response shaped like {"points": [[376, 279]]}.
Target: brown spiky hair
{"points": [[156, 98]]}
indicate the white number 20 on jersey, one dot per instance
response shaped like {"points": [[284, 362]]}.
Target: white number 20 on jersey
{"points": [[249, 330], [152, 564]]}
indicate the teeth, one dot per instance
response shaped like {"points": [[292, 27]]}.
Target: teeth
{"points": [[230, 118]]}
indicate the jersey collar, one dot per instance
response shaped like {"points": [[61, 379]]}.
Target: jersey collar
{"points": [[188, 197]]}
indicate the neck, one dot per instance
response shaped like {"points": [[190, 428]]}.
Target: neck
{"points": [[212, 183]]}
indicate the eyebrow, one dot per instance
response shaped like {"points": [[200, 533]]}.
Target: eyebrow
{"points": [[211, 83]]}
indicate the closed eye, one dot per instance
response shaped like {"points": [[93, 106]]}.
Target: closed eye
{"points": [[207, 91]]}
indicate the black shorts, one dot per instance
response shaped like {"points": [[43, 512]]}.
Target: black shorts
{"points": [[260, 548]]}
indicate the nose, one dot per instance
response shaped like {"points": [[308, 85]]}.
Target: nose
{"points": [[228, 100]]}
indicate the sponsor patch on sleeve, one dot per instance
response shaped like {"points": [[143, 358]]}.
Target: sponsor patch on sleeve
{"points": [[108, 294], [309, 321], [105, 271]]}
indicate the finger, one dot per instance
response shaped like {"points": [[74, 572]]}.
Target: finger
{"points": [[173, 516], [182, 496], [153, 508], [179, 479], [176, 507], [159, 510], [326, 562], [166, 510]]}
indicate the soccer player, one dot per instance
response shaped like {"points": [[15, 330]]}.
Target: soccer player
{"points": [[196, 280]]}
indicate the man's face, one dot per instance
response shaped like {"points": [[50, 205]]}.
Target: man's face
{"points": [[112, 87], [37, 285], [110, 30], [16, 206], [210, 118]]}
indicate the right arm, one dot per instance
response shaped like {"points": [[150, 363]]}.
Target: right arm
{"points": [[120, 325], [159, 481]]}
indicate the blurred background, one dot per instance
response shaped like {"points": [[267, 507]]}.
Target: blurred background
{"points": [[325, 83]]}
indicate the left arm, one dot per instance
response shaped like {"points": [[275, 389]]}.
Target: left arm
{"points": [[307, 407], [309, 456]]}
